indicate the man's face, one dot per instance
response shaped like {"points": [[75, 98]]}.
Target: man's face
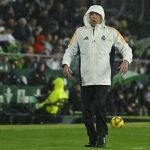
{"points": [[95, 18]]}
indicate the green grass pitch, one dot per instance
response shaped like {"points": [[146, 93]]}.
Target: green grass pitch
{"points": [[133, 136]]}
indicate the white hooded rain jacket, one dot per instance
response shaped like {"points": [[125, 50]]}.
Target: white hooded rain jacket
{"points": [[95, 49]]}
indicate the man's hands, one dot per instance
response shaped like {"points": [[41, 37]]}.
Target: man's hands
{"points": [[124, 67], [67, 71]]}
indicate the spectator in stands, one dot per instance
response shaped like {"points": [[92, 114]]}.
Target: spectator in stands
{"points": [[11, 48], [12, 78], [59, 48], [4, 63], [22, 30], [148, 69], [141, 68], [28, 46], [75, 98], [38, 30], [30, 62], [146, 96], [48, 44], [10, 25], [39, 47], [145, 67], [146, 54], [133, 98], [38, 76], [119, 102], [54, 62], [2, 22], [4, 66]]}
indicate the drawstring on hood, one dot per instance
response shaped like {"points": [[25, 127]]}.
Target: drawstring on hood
{"points": [[94, 8]]}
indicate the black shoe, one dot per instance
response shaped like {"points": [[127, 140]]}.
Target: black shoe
{"points": [[101, 142], [92, 141], [90, 145]]}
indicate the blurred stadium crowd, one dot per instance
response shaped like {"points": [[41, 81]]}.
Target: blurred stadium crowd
{"points": [[34, 35]]}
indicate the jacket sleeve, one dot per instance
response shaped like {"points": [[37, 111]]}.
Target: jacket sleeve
{"points": [[122, 46], [71, 51]]}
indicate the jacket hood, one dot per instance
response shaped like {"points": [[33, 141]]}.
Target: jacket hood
{"points": [[58, 83], [94, 8]]}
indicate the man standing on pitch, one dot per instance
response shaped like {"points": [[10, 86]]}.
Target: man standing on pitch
{"points": [[93, 43]]}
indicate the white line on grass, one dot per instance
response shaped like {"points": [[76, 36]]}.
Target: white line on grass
{"points": [[137, 148], [134, 148], [140, 134]]}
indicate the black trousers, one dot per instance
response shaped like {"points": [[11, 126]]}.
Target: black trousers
{"points": [[93, 107]]}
